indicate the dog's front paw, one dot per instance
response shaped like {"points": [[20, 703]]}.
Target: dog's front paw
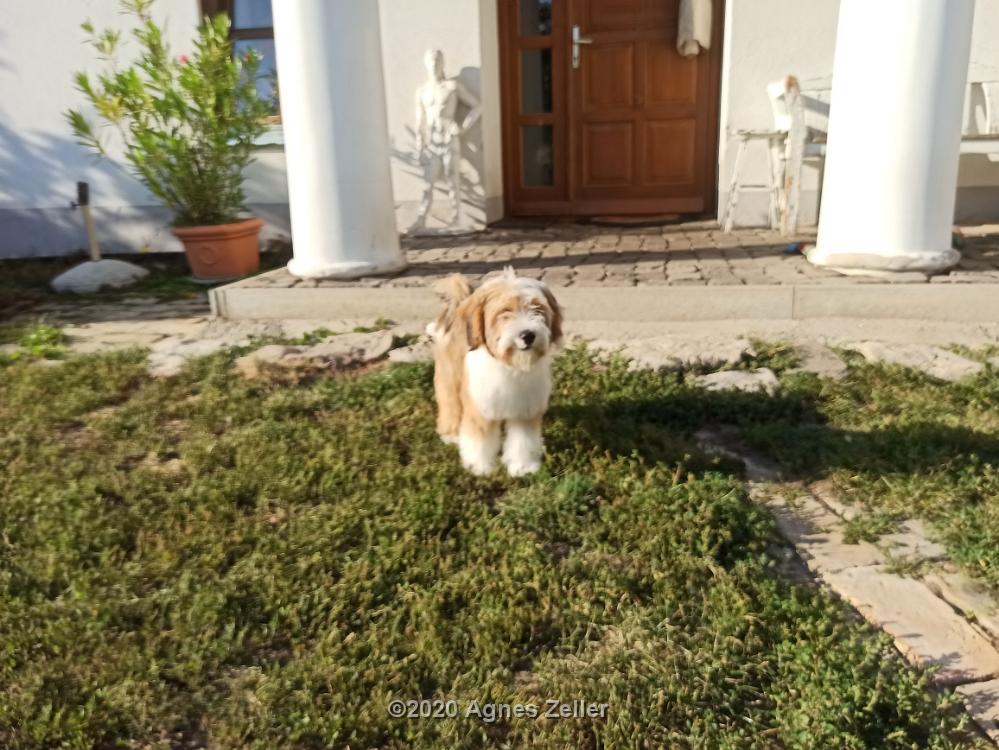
{"points": [[448, 439], [479, 468], [521, 468]]}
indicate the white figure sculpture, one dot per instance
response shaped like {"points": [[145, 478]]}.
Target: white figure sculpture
{"points": [[439, 134]]}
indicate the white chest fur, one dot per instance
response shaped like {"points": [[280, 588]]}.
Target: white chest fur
{"points": [[502, 392]]}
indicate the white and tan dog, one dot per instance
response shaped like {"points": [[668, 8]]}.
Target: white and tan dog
{"points": [[492, 368]]}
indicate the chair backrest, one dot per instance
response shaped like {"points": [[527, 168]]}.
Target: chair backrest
{"points": [[780, 93], [985, 94], [791, 105]]}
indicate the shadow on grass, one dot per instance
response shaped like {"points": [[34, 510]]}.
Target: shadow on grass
{"points": [[789, 427]]}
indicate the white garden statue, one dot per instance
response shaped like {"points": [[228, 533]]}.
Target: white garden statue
{"points": [[439, 134]]}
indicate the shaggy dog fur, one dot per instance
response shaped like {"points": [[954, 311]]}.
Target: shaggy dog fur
{"points": [[492, 369]]}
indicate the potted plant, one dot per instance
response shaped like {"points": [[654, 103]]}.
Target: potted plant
{"points": [[188, 125]]}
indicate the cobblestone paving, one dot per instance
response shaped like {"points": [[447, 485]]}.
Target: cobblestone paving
{"points": [[690, 254]]}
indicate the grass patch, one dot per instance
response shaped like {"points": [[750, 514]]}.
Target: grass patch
{"points": [[868, 527], [36, 340], [265, 565]]}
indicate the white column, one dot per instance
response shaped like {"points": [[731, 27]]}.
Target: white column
{"points": [[329, 61], [898, 91]]}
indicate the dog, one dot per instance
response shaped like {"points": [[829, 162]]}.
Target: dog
{"points": [[493, 349]]}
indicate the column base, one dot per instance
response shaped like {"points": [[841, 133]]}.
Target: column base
{"points": [[856, 263], [343, 270]]}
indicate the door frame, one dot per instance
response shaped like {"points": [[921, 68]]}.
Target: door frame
{"points": [[555, 201]]}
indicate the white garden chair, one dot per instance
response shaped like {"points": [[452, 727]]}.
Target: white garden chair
{"points": [[790, 144], [985, 139]]}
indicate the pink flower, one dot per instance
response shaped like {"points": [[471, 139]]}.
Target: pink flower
{"points": [[183, 59]]}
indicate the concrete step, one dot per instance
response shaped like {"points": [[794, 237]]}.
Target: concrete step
{"points": [[252, 300]]}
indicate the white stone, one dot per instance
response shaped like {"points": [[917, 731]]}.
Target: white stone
{"points": [[257, 363], [419, 352], [971, 598], [924, 627], [94, 275], [982, 701], [169, 355], [932, 360], [351, 348], [820, 360], [343, 351], [673, 353], [749, 381]]}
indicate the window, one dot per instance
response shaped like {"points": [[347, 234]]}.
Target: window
{"points": [[253, 28]]}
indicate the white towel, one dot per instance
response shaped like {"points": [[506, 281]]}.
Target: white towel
{"points": [[694, 32]]}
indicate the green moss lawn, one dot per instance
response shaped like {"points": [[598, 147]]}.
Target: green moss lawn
{"points": [[207, 561]]}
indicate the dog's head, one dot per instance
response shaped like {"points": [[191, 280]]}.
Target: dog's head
{"points": [[517, 319]]}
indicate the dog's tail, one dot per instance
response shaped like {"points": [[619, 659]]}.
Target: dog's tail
{"points": [[453, 290]]}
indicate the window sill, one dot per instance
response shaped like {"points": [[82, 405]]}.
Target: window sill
{"points": [[273, 137]]}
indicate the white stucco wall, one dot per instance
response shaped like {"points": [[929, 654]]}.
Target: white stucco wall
{"points": [[41, 47]]}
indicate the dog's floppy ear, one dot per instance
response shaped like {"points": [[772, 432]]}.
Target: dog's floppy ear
{"points": [[472, 314], [556, 324]]}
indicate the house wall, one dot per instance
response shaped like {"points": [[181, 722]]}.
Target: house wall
{"points": [[41, 45]]}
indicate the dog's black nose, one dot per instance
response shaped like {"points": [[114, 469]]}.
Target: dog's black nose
{"points": [[527, 337]]}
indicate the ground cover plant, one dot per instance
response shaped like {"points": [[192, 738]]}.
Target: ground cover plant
{"points": [[207, 560]]}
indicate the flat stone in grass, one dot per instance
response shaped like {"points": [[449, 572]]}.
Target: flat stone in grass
{"points": [[982, 701], [819, 360], [762, 380], [924, 627], [912, 540], [816, 533], [971, 598], [337, 352], [350, 349], [932, 360], [418, 352], [667, 353], [825, 490], [168, 356]]}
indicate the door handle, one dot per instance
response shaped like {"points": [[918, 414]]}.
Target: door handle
{"points": [[576, 41]]}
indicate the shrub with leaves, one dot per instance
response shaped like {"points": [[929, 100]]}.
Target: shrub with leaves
{"points": [[187, 123]]}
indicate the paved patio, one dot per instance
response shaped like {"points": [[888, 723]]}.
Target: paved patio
{"points": [[689, 254]]}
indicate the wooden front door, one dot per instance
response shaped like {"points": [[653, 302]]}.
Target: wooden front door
{"points": [[618, 124]]}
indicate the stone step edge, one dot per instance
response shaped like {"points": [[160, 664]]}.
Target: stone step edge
{"points": [[940, 302]]}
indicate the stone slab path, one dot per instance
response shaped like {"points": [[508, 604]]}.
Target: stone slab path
{"points": [[941, 619]]}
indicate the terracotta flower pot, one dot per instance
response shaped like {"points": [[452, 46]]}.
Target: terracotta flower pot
{"points": [[222, 252]]}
